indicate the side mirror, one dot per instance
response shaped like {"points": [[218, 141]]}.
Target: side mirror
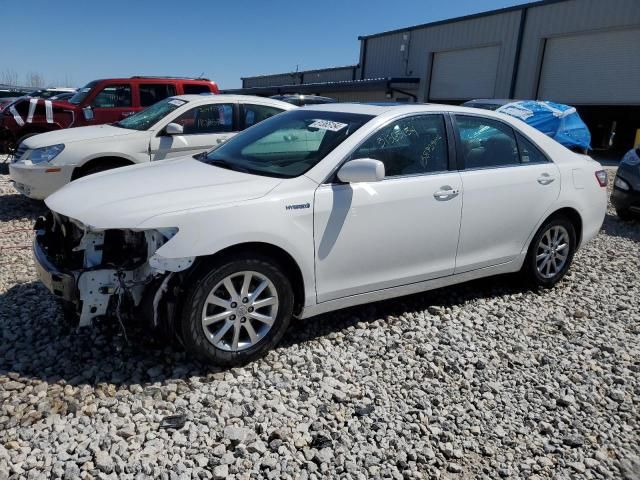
{"points": [[88, 113], [361, 170], [174, 129]]}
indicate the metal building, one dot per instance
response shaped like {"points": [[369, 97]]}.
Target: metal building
{"points": [[580, 52]]}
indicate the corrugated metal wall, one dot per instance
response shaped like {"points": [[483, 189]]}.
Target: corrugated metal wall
{"points": [[385, 55], [565, 18], [329, 75], [332, 74], [270, 80]]}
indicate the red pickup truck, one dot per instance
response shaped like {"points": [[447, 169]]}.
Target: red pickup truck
{"points": [[100, 101]]}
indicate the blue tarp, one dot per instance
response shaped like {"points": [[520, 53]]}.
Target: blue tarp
{"points": [[560, 122]]}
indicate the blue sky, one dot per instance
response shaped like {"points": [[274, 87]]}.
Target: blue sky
{"points": [[77, 41]]}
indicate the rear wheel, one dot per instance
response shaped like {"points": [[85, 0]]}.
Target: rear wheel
{"points": [[550, 253], [237, 311]]}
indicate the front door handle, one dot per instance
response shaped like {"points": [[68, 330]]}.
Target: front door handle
{"points": [[545, 179], [445, 193]]}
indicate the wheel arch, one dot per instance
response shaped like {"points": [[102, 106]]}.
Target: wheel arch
{"points": [[573, 216], [281, 256], [112, 160]]}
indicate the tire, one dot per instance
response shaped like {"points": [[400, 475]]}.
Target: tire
{"points": [[218, 341], [547, 274], [96, 169], [624, 214]]}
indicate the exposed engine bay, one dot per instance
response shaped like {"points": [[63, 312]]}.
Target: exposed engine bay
{"points": [[104, 272]]}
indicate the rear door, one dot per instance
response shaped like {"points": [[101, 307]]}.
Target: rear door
{"points": [[112, 103], [151, 93], [507, 184], [204, 127]]}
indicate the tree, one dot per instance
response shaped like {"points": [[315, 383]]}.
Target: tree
{"points": [[9, 77], [35, 79]]}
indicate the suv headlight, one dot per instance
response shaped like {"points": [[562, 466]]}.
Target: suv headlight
{"points": [[45, 154]]}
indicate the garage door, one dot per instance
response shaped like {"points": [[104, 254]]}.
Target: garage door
{"points": [[596, 68], [464, 74]]}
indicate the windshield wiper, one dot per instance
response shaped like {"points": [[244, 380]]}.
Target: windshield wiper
{"points": [[224, 164]]}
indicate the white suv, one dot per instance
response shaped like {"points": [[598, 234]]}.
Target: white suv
{"points": [[317, 209], [176, 126]]}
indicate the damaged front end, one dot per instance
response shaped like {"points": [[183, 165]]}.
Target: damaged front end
{"points": [[104, 272]]}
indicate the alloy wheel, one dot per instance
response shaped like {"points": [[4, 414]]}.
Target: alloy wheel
{"points": [[552, 252], [239, 311]]}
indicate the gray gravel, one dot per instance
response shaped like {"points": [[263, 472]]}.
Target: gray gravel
{"points": [[483, 380]]}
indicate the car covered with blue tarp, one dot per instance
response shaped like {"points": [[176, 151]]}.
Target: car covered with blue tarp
{"points": [[560, 122]]}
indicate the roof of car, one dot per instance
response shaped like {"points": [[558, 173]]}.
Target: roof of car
{"points": [[208, 97], [381, 108]]}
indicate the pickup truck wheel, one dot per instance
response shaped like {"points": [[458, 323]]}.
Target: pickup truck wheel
{"points": [[237, 311], [550, 253]]}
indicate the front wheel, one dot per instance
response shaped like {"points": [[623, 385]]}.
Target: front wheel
{"points": [[550, 253], [237, 311]]}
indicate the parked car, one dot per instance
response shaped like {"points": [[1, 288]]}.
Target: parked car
{"points": [[300, 100], [63, 96], [487, 103], [313, 210], [626, 186], [176, 126], [97, 103], [50, 92], [560, 122]]}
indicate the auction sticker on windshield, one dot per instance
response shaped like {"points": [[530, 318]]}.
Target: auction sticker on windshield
{"points": [[328, 125], [177, 103]]}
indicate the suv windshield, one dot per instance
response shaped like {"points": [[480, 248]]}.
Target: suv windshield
{"points": [[148, 117], [288, 144], [82, 93]]}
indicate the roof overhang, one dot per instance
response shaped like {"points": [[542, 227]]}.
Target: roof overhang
{"points": [[366, 85]]}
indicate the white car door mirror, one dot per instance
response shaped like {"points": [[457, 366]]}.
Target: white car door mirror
{"points": [[362, 170], [174, 129], [88, 113]]}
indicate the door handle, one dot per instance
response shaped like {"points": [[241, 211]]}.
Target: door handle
{"points": [[545, 179], [446, 193]]}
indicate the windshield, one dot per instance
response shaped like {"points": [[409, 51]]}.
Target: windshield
{"points": [[288, 144], [148, 117], [82, 93]]}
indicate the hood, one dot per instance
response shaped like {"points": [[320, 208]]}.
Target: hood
{"points": [[126, 197], [78, 134]]}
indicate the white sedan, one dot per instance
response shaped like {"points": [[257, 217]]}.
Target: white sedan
{"points": [[176, 126], [314, 210]]}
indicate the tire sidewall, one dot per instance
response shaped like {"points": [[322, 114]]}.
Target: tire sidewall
{"points": [[191, 330], [531, 267]]}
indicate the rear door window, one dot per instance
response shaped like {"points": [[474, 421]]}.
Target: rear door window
{"points": [[486, 143], [191, 89], [113, 96], [252, 114], [213, 118], [154, 92]]}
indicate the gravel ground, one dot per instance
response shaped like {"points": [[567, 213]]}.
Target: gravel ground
{"points": [[483, 380]]}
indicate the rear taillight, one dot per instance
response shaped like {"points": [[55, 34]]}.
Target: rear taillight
{"points": [[602, 178]]}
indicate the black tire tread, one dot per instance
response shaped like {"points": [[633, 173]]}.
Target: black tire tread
{"points": [[190, 328]]}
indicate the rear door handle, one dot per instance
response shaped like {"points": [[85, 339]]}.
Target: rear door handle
{"points": [[545, 179], [445, 193]]}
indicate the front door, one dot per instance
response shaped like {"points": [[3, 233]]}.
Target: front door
{"points": [[204, 127], [401, 230], [508, 185]]}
